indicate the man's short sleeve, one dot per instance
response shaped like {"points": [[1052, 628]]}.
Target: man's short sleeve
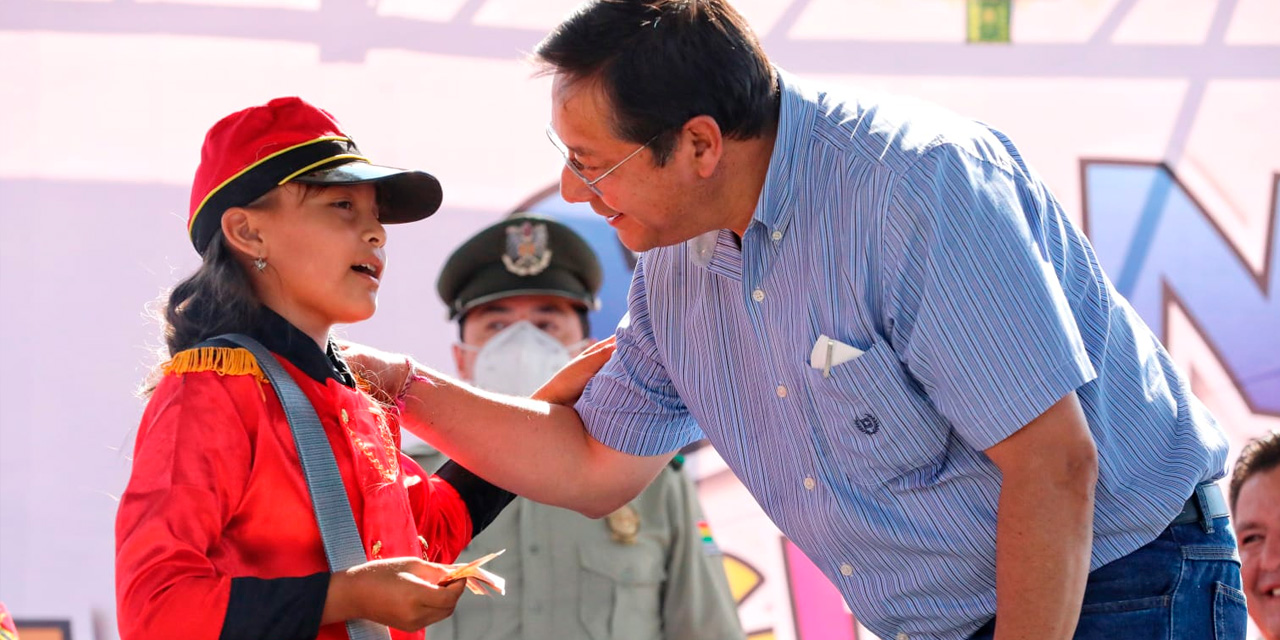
{"points": [[631, 405], [978, 312]]}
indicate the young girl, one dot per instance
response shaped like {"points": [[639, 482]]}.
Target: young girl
{"points": [[216, 536]]}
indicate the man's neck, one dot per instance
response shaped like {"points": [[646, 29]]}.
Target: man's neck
{"points": [[746, 175]]}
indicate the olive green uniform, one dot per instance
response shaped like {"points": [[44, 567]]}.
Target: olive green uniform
{"points": [[649, 570], [571, 577]]}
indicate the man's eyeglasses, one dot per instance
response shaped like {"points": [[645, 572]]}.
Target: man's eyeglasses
{"points": [[575, 167]]}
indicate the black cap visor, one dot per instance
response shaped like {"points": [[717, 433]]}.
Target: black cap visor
{"points": [[404, 195], [495, 283]]}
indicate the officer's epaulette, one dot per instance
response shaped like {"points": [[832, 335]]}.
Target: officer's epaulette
{"points": [[226, 361], [677, 462]]}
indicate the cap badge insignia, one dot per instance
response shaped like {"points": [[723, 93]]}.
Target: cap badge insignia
{"points": [[527, 253]]}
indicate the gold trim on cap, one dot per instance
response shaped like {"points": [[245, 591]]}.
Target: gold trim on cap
{"points": [[191, 224], [308, 168]]}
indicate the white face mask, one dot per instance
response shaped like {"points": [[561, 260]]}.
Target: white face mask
{"points": [[518, 360]]}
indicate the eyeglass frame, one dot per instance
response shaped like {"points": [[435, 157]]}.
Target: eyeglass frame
{"points": [[568, 162]]}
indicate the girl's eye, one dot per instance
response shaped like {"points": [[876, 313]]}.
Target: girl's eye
{"points": [[343, 204]]}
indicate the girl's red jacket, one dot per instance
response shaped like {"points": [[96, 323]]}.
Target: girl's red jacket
{"points": [[215, 534]]}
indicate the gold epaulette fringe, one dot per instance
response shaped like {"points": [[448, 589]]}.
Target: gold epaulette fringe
{"points": [[226, 361]]}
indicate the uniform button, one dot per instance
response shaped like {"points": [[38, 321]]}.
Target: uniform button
{"points": [[377, 548], [781, 391], [345, 417], [777, 235], [846, 569], [533, 549], [757, 295], [810, 483]]}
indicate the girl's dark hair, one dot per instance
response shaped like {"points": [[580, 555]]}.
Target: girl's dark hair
{"points": [[216, 299], [662, 62]]}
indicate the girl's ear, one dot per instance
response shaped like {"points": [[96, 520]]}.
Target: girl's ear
{"points": [[241, 233]]}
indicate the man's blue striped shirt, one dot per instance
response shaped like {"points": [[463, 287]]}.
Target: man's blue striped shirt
{"points": [[924, 240]]}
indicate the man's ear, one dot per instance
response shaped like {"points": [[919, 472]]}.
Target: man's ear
{"points": [[707, 141], [241, 232]]}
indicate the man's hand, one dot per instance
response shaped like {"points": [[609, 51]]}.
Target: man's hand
{"points": [[567, 385], [398, 592], [1044, 527], [385, 372]]}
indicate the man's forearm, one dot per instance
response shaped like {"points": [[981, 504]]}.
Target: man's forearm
{"points": [[1044, 539], [497, 436]]}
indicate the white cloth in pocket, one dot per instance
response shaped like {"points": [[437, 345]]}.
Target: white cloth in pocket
{"points": [[829, 352]]}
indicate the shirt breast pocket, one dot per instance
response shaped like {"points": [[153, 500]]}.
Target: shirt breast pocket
{"points": [[875, 419], [621, 593]]}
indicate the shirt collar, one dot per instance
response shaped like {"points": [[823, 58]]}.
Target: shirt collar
{"points": [[282, 338], [796, 115]]}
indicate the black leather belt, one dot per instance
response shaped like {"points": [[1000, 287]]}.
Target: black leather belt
{"points": [[1205, 504]]}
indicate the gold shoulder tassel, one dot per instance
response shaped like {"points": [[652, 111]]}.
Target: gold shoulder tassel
{"points": [[226, 361]]}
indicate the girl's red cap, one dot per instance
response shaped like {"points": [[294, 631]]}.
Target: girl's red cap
{"points": [[251, 152]]}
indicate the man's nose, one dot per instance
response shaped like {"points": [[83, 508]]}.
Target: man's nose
{"points": [[572, 188], [1270, 559]]}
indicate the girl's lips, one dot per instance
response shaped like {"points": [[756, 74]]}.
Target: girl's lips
{"points": [[370, 271]]}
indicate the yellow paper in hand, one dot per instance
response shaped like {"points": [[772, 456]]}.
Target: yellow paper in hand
{"points": [[477, 578]]}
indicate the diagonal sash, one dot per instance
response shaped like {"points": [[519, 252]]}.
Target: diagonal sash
{"points": [[342, 544]]}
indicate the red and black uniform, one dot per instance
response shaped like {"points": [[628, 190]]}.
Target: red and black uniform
{"points": [[216, 537]]}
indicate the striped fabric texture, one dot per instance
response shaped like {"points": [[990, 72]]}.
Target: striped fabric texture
{"points": [[924, 240]]}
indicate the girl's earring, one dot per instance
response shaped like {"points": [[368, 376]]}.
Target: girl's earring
{"points": [[260, 263]]}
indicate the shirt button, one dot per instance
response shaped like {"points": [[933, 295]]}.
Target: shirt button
{"points": [[902, 635], [781, 391], [757, 295], [810, 483], [345, 417], [377, 549], [846, 569], [777, 235]]}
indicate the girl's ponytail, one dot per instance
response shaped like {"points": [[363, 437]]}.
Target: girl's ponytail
{"points": [[216, 299]]}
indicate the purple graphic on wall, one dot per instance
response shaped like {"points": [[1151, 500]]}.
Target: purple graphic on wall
{"points": [[1157, 241]]}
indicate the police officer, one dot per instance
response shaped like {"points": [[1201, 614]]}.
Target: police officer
{"points": [[520, 291]]}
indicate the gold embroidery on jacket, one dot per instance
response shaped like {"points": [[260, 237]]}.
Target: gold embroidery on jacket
{"points": [[389, 472]]}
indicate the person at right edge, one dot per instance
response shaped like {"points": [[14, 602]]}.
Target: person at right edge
{"points": [[520, 291], [889, 328]]}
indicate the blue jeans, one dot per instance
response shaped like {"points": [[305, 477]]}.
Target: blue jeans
{"points": [[1184, 585]]}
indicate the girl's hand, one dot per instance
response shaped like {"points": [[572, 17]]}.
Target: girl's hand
{"points": [[566, 386], [398, 592]]}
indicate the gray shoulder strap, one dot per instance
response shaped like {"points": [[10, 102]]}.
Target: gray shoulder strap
{"points": [[342, 544]]}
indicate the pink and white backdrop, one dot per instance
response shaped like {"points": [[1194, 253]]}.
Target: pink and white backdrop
{"points": [[1153, 120]]}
